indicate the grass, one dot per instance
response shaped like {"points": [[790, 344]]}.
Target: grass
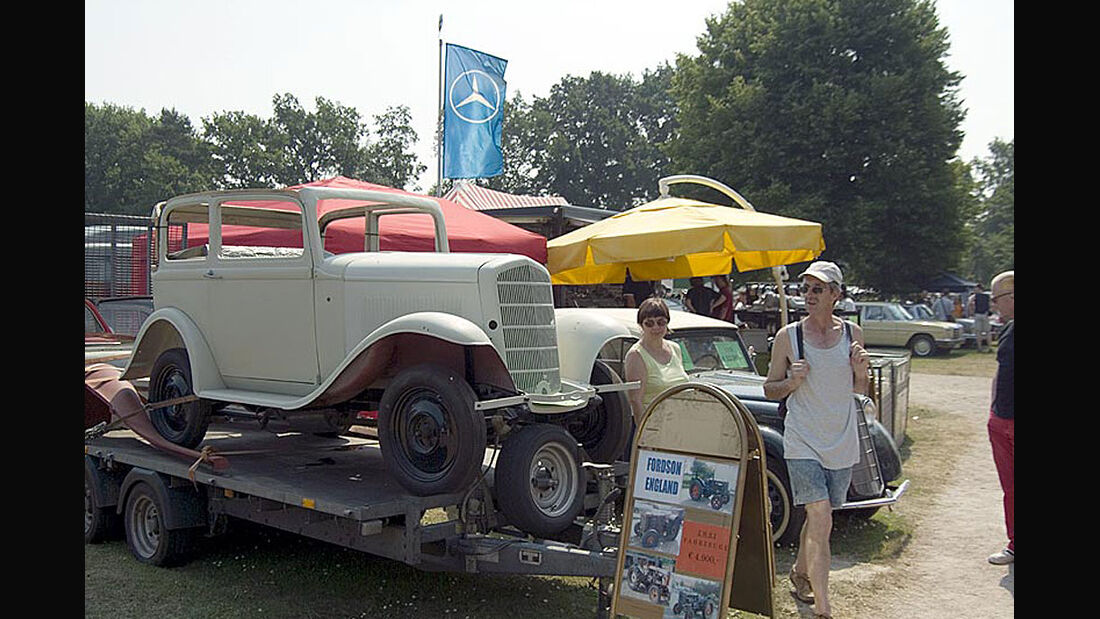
{"points": [[958, 362], [255, 571]]}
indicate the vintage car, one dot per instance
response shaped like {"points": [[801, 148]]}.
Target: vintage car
{"points": [[889, 324], [454, 351], [714, 353], [921, 311], [101, 343]]}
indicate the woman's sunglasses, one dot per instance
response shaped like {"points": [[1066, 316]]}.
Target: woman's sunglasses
{"points": [[655, 322]]}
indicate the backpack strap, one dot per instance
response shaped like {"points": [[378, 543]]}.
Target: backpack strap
{"points": [[798, 338]]}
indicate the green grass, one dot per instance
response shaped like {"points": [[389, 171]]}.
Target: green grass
{"points": [[959, 362]]}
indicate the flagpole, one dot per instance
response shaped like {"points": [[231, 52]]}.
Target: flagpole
{"points": [[439, 119]]}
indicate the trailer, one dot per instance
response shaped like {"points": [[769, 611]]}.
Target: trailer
{"points": [[334, 489]]}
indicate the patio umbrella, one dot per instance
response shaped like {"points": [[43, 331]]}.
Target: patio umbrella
{"points": [[678, 237]]}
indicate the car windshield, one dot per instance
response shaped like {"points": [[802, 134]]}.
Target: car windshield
{"points": [[711, 349], [920, 312]]}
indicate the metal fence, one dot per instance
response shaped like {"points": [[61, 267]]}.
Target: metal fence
{"points": [[117, 250]]}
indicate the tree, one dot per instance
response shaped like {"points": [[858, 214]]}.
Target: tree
{"points": [[594, 141], [132, 161], [838, 111], [990, 227], [297, 146]]}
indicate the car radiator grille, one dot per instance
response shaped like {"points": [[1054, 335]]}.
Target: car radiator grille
{"points": [[530, 340]]}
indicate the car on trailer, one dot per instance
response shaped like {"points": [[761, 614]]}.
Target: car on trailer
{"points": [[456, 351]]}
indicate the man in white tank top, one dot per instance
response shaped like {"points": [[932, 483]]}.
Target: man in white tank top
{"points": [[820, 437]]}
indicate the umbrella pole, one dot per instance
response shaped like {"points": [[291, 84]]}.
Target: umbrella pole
{"points": [[776, 273]]}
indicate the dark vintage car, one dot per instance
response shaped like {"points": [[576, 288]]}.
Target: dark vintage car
{"points": [[714, 353]]}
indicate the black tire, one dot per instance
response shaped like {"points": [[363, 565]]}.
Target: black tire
{"points": [[432, 439], [101, 523], [651, 538], [182, 424], [785, 517], [654, 594], [603, 429], [718, 500], [146, 535], [922, 345], [676, 608], [539, 484]]}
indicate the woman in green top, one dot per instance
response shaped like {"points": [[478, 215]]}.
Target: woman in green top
{"points": [[652, 360]]}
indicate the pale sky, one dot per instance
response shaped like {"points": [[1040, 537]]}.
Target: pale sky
{"points": [[207, 56]]}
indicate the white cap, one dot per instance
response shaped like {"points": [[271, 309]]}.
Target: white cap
{"points": [[825, 271]]}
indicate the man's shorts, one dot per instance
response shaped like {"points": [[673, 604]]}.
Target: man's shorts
{"points": [[811, 482]]}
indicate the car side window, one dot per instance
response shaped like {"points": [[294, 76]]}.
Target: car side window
{"points": [[188, 232], [271, 230], [874, 312]]}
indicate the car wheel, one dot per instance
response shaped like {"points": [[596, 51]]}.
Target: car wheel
{"points": [[603, 429], [100, 523], [654, 594], [432, 438], [922, 345], [146, 535], [538, 482], [785, 517], [183, 424]]}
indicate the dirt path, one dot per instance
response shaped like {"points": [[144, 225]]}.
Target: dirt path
{"points": [[945, 572]]}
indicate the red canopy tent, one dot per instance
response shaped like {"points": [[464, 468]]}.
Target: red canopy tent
{"points": [[467, 230]]}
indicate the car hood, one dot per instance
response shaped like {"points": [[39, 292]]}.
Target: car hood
{"points": [[743, 385]]}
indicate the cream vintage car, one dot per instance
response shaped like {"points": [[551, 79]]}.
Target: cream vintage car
{"points": [[889, 324], [454, 351]]}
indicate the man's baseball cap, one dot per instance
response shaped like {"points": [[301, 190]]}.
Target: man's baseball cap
{"points": [[825, 271]]}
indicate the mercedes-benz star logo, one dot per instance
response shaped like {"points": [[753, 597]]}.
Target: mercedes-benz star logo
{"points": [[474, 107]]}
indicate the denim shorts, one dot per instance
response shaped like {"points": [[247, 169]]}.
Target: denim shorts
{"points": [[811, 482]]}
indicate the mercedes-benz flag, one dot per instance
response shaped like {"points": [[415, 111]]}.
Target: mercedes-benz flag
{"points": [[473, 110]]}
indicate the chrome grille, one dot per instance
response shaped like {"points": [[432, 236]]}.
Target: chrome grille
{"points": [[527, 322]]}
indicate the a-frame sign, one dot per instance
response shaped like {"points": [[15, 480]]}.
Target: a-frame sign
{"points": [[695, 522]]}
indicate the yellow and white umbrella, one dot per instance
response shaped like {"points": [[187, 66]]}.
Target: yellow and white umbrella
{"points": [[678, 237]]}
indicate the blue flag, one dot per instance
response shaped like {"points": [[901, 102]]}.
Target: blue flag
{"points": [[473, 110]]}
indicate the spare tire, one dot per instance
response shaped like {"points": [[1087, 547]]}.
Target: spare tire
{"points": [[539, 483]]}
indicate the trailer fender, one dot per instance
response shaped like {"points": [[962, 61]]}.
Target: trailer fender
{"points": [[185, 506], [105, 485], [168, 328]]}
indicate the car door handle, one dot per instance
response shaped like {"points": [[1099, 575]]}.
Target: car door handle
{"points": [[210, 275]]}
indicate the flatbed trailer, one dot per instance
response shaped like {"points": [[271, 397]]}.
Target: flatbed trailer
{"points": [[334, 489]]}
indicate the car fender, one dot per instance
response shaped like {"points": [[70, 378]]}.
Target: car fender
{"points": [[370, 359], [581, 335], [168, 328], [773, 441], [889, 457]]}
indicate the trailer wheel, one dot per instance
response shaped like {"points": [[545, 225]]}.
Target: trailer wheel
{"points": [[182, 424], [603, 429], [146, 535], [539, 483], [100, 522], [432, 438]]}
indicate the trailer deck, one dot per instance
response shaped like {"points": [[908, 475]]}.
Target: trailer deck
{"points": [[338, 490]]}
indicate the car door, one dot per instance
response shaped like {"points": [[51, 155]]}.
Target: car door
{"points": [[260, 286], [876, 329]]}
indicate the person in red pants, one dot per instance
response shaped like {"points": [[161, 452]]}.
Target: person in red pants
{"points": [[1002, 417]]}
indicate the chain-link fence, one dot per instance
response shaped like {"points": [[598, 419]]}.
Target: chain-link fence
{"points": [[117, 250]]}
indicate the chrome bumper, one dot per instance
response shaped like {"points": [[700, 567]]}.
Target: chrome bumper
{"points": [[892, 496]]}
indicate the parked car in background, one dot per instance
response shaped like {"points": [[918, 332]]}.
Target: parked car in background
{"points": [[125, 315], [101, 343], [889, 324], [921, 311], [714, 353]]}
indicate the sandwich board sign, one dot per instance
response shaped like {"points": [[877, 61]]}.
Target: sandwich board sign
{"points": [[696, 537]]}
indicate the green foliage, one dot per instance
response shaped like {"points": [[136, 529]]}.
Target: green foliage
{"points": [[595, 140], [132, 161], [838, 111], [990, 225]]}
